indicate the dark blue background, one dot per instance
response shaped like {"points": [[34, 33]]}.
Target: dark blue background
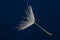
{"points": [[47, 14]]}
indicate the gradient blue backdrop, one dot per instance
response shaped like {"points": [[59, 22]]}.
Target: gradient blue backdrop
{"points": [[47, 14]]}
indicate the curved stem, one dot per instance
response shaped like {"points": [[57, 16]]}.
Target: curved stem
{"points": [[43, 29]]}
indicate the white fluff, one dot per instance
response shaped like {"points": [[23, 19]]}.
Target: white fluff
{"points": [[30, 19]]}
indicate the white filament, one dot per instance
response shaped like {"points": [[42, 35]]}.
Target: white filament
{"points": [[30, 19]]}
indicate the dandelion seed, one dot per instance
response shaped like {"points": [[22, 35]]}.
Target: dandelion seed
{"points": [[30, 21]]}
